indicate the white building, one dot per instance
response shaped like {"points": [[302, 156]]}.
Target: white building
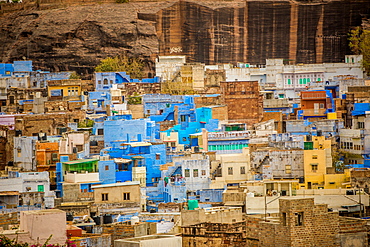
{"points": [[29, 182]]}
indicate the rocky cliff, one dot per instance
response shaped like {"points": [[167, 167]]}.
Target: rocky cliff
{"points": [[77, 37]]}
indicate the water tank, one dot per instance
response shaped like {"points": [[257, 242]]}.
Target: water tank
{"points": [[192, 204], [250, 194], [134, 220]]}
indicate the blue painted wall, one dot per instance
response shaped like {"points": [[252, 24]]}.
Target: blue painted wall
{"points": [[105, 80], [153, 157], [130, 131]]}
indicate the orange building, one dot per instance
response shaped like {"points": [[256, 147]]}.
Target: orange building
{"points": [[47, 155]]}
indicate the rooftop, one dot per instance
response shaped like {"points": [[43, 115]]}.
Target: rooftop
{"points": [[116, 184]]}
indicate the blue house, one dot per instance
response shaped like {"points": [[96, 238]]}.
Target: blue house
{"points": [[98, 101], [135, 130], [190, 124], [162, 107], [83, 172], [105, 80], [127, 156]]}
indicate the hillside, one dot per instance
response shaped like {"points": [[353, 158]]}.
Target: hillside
{"points": [[64, 36]]}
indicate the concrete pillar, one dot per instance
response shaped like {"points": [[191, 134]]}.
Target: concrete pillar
{"points": [[290, 189], [205, 139]]}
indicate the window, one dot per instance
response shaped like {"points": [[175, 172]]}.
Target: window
{"points": [[99, 81], [299, 219], [126, 196], [100, 132], [281, 96], [104, 197], [289, 82], [107, 168], [195, 173], [182, 118], [314, 167], [40, 188], [288, 169], [314, 157], [187, 173], [242, 170], [284, 219], [79, 148], [54, 156], [19, 152], [203, 172], [361, 125], [105, 81], [157, 156], [230, 170]]}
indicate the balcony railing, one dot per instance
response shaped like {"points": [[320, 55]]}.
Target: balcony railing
{"points": [[314, 112], [275, 103], [315, 95], [227, 135]]}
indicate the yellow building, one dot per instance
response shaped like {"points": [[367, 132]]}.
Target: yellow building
{"points": [[64, 89], [318, 170]]}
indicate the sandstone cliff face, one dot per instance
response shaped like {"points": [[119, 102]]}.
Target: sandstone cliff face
{"points": [[77, 37], [302, 31]]}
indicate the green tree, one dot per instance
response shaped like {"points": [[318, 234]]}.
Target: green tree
{"points": [[131, 65], [74, 75], [359, 42], [134, 99]]}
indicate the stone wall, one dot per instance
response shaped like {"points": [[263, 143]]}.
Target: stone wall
{"points": [[214, 234], [302, 224], [47, 123], [244, 102], [126, 230]]}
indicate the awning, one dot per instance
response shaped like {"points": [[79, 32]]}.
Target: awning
{"points": [[237, 203], [137, 157], [140, 144], [121, 160]]}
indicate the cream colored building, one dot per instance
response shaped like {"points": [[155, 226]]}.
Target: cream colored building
{"points": [[230, 168], [117, 192], [40, 225], [213, 214]]}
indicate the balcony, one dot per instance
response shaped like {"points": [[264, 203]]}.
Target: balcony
{"points": [[313, 95], [275, 103], [314, 112], [228, 135], [81, 177]]}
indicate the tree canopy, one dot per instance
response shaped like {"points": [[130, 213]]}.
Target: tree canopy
{"points": [[131, 65], [359, 42]]}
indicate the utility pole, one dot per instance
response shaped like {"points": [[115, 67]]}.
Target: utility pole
{"points": [[265, 207]]}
